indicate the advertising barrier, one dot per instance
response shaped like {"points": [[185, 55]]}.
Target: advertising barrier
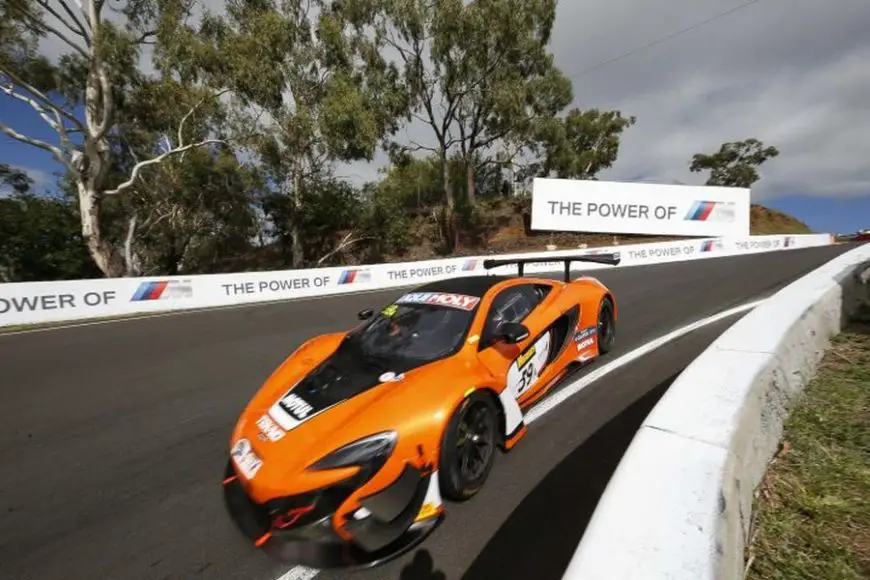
{"points": [[576, 205], [43, 302]]}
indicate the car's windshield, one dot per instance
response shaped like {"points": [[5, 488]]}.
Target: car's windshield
{"points": [[419, 327]]}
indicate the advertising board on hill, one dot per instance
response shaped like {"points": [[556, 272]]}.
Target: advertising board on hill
{"points": [[573, 205]]}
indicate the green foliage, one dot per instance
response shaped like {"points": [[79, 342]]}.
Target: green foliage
{"points": [[386, 222], [224, 154], [478, 74], [330, 209], [580, 145], [322, 94], [16, 180], [735, 164], [40, 240]]}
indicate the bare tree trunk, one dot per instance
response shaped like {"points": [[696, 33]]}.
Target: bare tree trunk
{"points": [[470, 183], [451, 232], [105, 256], [298, 259], [130, 265]]}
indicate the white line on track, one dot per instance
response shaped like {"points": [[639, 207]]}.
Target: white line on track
{"points": [[552, 401]]}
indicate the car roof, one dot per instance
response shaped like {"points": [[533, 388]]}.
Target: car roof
{"points": [[476, 286]]}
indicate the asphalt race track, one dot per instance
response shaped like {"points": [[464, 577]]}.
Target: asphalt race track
{"points": [[114, 435]]}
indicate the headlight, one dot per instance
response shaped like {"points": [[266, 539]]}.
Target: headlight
{"points": [[359, 452]]}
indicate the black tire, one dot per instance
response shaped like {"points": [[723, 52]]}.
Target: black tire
{"points": [[606, 326], [464, 465]]}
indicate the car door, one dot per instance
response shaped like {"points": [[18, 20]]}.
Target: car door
{"points": [[517, 365]]}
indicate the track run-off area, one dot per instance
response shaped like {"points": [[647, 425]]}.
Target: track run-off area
{"points": [[113, 437]]}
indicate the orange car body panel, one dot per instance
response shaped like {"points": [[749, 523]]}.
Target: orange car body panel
{"points": [[418, 407]]}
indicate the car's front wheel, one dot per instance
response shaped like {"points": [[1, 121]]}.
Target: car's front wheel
{"points": [[468, 448]]}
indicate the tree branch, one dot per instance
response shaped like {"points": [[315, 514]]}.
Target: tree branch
{"points": [[155, 160], [347, 241], [193, 110], [81, 8], [37, 24], [53, 123], [78, 29], [43, 98], [128, 246], [56, 123], [55, 151], [414, 146], [68, 10], [144, 36]]}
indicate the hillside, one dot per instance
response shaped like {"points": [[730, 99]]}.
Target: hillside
{"points": [[504, 227]]}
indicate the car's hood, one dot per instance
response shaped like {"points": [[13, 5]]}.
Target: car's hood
{"points": [[321, 398]]}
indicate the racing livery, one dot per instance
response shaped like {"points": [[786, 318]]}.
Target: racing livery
{"points": [[346, 454]]}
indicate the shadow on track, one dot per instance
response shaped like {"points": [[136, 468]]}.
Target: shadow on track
{"points": [[539, 538], [422, 568]]}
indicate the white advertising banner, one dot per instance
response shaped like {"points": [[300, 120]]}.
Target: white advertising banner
{"points": [[574, 205], [40, 302]]}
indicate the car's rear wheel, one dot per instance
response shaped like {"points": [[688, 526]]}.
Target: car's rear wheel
{"points": [[468, 448], [606, 326]]}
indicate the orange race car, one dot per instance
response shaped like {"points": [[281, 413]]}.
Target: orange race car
{"points": [[343, 456]]}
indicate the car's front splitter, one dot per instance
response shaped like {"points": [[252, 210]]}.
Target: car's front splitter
{"points": [[389, 527]]}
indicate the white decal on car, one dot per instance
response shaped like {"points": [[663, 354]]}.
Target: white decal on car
{"points": [[245, 459], [527, 367]]}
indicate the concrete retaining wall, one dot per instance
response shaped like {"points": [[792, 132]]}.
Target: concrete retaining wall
{"points": [[678, 506]]}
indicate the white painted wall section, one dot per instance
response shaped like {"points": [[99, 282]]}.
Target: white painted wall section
{"points": [[47, 302], [678, 506]]}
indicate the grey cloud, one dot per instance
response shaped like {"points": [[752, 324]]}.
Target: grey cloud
{"points": [[794, 74]]}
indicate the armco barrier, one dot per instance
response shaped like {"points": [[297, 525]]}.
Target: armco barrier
{"points": [[679, 505], [41, 302]]}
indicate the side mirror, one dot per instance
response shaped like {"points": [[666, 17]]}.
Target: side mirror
{"points": [[513, 332], [365, 314]]}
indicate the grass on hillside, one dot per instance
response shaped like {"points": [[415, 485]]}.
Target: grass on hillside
{"points": [[812, 512]]}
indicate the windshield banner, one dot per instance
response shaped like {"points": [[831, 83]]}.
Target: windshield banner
{"points": [[460, 301]]}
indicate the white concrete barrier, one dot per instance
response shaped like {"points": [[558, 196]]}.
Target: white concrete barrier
{"points": [[42, 302], [678, 505]]}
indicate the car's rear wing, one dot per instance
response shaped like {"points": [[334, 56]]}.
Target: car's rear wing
{"points": [[611, 259]]}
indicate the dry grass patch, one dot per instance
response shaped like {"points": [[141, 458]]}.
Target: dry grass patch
{"points": [[812, 511]]}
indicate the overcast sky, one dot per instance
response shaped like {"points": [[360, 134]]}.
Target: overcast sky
{"points": [[793, 73]]}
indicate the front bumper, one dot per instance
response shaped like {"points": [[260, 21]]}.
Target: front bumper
{"points": [[391, 527]]}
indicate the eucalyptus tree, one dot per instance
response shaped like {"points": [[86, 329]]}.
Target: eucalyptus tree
{"points": [[319, 91], [78, 64], [735, 164], [476, 74]]}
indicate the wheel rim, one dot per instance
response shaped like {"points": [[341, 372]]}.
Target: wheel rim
{"points": [[604, 325], [474, 445]]}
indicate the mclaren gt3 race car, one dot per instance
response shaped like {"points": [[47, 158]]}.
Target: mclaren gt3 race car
{"points": [[345, 455]]}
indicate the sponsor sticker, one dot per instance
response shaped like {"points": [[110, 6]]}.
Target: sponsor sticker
{"points": [[526, 357], [717, 211], [585, 337], [355, 276], [296, 406], [711, 245], [427, 511], [269, 430], [162, 290], [245, 459], [459, 301]]}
